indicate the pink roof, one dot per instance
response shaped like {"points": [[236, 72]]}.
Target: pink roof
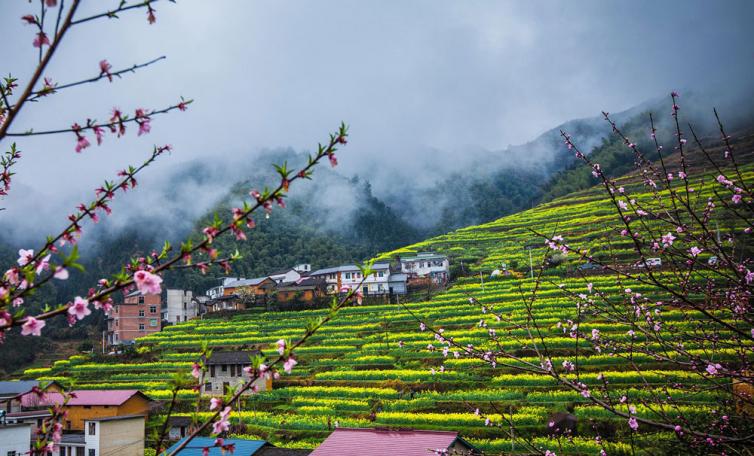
{"points": [[379, 442], [83, 397]]}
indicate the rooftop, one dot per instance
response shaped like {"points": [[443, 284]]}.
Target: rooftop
{"points": [[83, 397], [247, 282], [16, 387], [194, 448], [348, 268], [118, 418], [380, 442], [232, 357]]}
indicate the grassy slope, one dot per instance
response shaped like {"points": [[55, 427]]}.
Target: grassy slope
{"points": [[354, 366]]}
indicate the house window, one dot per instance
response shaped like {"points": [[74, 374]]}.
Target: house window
{"points": [[212, 370], [153, 322], [141, 312], [152, 309], [92, 428], [365, 290], [62, 451], [380, 274], [11, 453], [177, 318], [208, 386], [141, 326], [225, 368], [348, 275], [79, 451], [92, 452], [141, 299]]}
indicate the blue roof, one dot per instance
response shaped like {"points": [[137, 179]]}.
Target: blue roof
{"points": [[194, 448]]}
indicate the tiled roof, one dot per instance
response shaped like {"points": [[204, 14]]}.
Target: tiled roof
{"points": [[347, 268], [247, 282], [232, 357], [83, 397], [17, 387], [194, 448], [379, 442]]}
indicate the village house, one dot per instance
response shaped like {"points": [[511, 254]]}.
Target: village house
{"points": [[304, 290], [91, 405], [239, 294], [216, 292], [225, 369], [383, 281], [11, 392], [427, 264], [290, 274], [137, 316], [34, 418], [181, 306], [116, 435], [379, 442], [15, 439]]}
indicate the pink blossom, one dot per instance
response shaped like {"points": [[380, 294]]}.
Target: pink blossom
{"points": [[736, 199], [632, 423], [51, 3], [695, 251], [32, 327], [589, 287], [61, 273], [622, 204], [43, 264], [568, 366], [333, 160], [422, 326], [79, 308], [81, 143], [281, 346], [595, 334], [681, 174], [289, 364], [147, 283], [196, 371], [99, 133], [24, 257], [550, 453], [40, 39], [712, 369], [215, 403], [668, 239], [222, 424], [104, 68]]}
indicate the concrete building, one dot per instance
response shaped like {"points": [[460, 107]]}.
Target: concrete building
{"points": [[137, 316], [15, 439], [216, 292], [34, 418], [121, 435], [225, 369], [427, 264], [181, 306], [382, 281]]}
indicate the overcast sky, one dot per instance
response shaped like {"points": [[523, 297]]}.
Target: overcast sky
{"points": [[406, 75]]}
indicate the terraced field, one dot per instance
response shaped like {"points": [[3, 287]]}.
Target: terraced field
{"points": [[374, 366]]}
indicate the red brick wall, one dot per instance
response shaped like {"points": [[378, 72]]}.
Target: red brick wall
{"points": [[134, 319]]}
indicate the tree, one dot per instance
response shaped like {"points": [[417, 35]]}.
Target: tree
{"points": [[57, 256], [694, 313]]}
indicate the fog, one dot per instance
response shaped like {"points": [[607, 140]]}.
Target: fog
{"points": [[429, 88]]}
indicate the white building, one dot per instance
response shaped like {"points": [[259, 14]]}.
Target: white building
{"points": [[225, 370], [382, 281], [216, 292], [181, 306], [427, 264], [15, 439], [121, 435]]}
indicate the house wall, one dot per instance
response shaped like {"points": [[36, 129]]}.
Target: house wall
{"points": [[125, 323], [290, 276], [15, 438], [181, 306], [121, 437], [232, 376], [77, 414]]}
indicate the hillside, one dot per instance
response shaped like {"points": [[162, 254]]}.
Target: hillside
{"points": [[373, 366]]}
